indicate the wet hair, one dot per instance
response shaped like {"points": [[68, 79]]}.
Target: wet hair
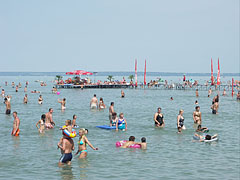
{"points": [[15, 112], [68, 121], [64, 99], [120, 114], [101, 99], [143, 139], [112, 103], [199, 126], [131, 138], [43, 117], [50, 109], [159, 108], [197, 107], [114, 114], [74, 115], [94, 95], [208, 137]]}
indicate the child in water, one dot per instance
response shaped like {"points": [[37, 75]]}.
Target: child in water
{"points": [[68, 125]]}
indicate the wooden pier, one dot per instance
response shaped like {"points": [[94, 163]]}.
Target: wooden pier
{"points": [[174, 86]]}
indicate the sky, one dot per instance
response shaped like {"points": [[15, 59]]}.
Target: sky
{"points": [[108, 35]]}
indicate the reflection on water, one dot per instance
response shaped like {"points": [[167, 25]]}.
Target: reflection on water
{"points": [[16, 143], [83, 164], [66, 172]]}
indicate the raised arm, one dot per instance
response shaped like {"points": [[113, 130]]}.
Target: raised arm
{"points": [[86, 140]]}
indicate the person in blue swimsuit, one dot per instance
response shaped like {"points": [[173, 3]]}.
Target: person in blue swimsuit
{"points": [[83, 141], [122, 123]]}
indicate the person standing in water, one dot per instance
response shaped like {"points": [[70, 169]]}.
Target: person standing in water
{"points": [[41, 124], [16, 88], [209, 92], [83, 141], [66, 145], [74, 125], [180, 121], [224, 92], [40, 99], [63, 103], [122, 123], [16, 124], [197, 116], [111, 111], [94, 102], [101, 104], [3, 93], [49, 120], [25, 89], [25, 99], [114, 119], [122, 94], [197, 95], [214, 108], [158, 118], [238, 95], [8, 106]]}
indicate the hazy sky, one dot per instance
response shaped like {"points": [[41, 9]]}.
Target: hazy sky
{"points": [[107, 35]]}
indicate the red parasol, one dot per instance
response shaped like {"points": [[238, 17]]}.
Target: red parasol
{"points": [[79, 72]]}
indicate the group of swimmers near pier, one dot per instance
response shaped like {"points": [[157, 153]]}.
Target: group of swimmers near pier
{"points": [[66, 143]]}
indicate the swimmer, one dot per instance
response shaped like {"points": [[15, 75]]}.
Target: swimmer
{"points": [[196, 102], [197, 95], [67, 146], [114, 119], [94, 102], [122, 123], [40, 99], [13, 84], [238, 95], [122, 94], [8, 106], [6, 83], [19, 85], [49, 124], [83, 141], [74, 121], [25, 89], [35, 91], [3, 93], [224, 92], [143, 143], [158, 118], [129, 142], [27, 83], [197, 115], [16, 124], [180, 121], [171, 98], [63, 103], [25, 99], [16, 88], [214, 108], [41, 124], [101, 104], [207, 137], [201, 129], [111, 110], [54, 90]]}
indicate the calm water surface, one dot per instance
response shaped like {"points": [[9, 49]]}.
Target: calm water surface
{"points": [[169, 155]]}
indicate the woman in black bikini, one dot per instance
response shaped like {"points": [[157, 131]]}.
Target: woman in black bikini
{"points": [[180, 121]]}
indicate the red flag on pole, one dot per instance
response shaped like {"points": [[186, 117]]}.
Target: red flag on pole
{"points": [[218, 75], [136, 72], [145, 73], [232, 87], [212, 78]]}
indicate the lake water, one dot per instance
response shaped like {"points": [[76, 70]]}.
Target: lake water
{"points": [[169, 155]]}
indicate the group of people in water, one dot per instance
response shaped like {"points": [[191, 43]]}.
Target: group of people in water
{"points": [[66, 143]]}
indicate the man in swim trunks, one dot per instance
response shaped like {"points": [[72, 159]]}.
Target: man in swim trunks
{"points": [[8, 106], [197, 116], [197, 93], [16, 124], [66, 144], [111, 111], [49, 121], [129, 143], [94, 102]]}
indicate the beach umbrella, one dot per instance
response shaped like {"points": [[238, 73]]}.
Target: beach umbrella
{"points": [[79, 72]]}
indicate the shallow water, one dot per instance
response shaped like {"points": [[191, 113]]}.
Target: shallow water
{"points": [[169, 155]]}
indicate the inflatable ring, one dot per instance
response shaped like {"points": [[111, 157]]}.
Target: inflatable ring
{"points": [[120, 143], [68, 134]]}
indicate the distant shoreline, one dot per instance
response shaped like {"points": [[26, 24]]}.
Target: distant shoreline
{"points": [[114, 74]]}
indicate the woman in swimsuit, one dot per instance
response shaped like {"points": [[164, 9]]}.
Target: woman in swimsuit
{"points": [[82, 144], [122, 123], [101, 104], [197, 116], [158, 119], [40, 99], [63, 103], [180, 121], [114, 119], [41, 123]]}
